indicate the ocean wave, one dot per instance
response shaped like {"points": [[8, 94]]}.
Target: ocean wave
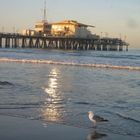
{"points": [[5, 83], [19, 107], [23, 104], [10, 106], [84, 103], [17, 116], [35, 61], [127, 117]]}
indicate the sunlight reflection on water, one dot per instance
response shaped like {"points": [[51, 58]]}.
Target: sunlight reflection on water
{"points": [[50, 111]]}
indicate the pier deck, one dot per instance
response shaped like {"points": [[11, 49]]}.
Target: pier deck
{"points": [[10, 40]]}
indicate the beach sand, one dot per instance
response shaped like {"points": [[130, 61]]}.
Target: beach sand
{"points": [[13, 128]]}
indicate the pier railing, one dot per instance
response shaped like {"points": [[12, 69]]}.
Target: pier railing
{"points": [[12, 40]]}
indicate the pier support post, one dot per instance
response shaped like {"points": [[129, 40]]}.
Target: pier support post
{"points": [[7, 42], [126, 48], [120, 48], [24, 43], [71, 43], [31, 44], [104, 47], [0, 42]]}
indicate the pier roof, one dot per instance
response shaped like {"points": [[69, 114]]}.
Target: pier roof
{"points": [[73, 22]]}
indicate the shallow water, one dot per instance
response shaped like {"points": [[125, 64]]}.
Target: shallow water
{"points": [[65, 93]]}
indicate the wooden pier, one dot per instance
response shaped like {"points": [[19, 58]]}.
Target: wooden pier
{"points": [[10, 40]]}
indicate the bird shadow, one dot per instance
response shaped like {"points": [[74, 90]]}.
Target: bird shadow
{"points": [[94, 135]]}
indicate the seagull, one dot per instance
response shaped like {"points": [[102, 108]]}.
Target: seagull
{"points": [[95, 119]]}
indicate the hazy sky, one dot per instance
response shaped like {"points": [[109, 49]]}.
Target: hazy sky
{"points": [[115, 17]]}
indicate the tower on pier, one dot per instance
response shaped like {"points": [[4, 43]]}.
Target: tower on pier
{"points": [[43, 27], [45, 12]]}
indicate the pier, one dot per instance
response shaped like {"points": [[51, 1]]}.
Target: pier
{"points": [[12, 40]]}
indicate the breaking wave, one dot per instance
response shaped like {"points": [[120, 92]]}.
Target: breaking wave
{"points": [[107, 66]]}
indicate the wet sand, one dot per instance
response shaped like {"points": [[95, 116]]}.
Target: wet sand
{"points": [[12, 128]]}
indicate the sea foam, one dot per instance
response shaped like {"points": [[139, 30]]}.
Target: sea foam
{"points": [[35, 61]]}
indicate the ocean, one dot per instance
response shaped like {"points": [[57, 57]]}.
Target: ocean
{"points": [[62, 86]]}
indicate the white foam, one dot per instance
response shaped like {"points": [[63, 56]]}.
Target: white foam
{"points": [[107, 66]]}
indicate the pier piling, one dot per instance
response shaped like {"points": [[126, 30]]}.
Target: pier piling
{"points": [[67, 43]]}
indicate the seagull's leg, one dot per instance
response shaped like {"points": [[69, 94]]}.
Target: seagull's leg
{"points": [[94, 123], [94, 126]]}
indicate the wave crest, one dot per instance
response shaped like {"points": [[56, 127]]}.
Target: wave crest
{"points": [[35, 61]]}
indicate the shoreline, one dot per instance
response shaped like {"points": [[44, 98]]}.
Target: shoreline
{"points": [[14, 128]]}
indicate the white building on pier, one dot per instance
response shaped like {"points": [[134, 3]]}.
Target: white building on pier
{"points": [[70, 28]]}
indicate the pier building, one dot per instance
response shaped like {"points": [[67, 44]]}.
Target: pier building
{"points": [[42, 28], [70, 28]]}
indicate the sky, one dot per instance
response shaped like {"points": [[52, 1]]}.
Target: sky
{"points": [[115, 18]]}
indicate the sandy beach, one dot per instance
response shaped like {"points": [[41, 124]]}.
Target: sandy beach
{"points": [[13, 128]]}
